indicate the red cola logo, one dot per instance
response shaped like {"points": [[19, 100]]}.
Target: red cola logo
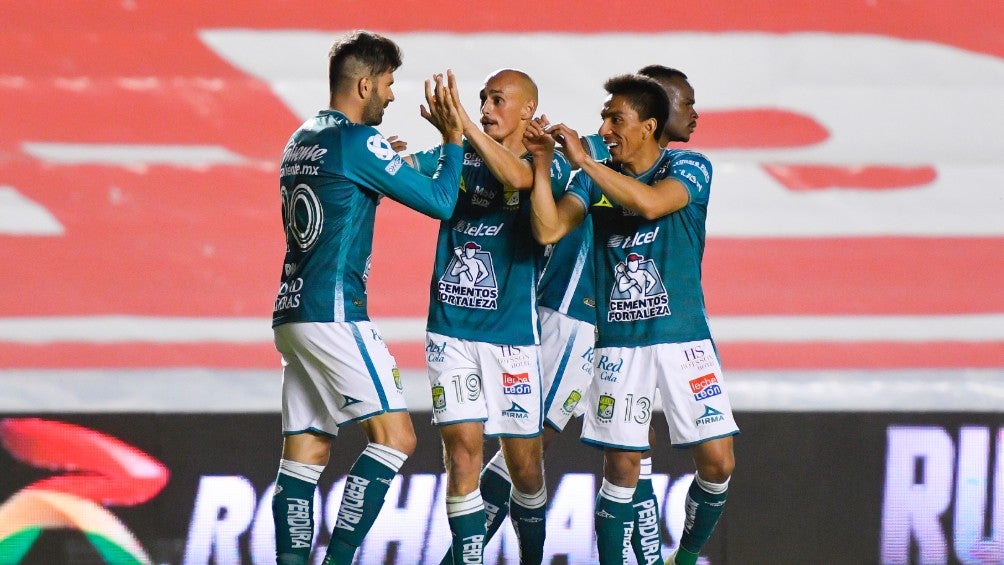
{"points": [[98, 471]]}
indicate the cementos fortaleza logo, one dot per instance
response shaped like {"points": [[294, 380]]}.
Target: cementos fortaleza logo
{"points": [[97, 471]]}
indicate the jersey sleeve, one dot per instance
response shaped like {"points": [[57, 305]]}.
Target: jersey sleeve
{"points": [[594, 145], [561, 170], [426, 161], [694, 171], [582, 189], [373, 163]]}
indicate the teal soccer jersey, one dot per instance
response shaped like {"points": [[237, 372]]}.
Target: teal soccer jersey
{"points": [[487, 262], [566, 284], [648, 272], [332, 176]]}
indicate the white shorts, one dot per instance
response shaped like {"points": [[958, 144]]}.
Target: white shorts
{"points": [[566, 361], [333, 374], [474, 381], [687, 375]]}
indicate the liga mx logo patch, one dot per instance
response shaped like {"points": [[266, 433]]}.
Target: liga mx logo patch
{"points": [[469, 280]]}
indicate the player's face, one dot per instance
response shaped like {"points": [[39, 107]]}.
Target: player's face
{"points": [[380, 97], [622, 130], [632, 266], [682, 115], [469, 252], [502, 107]]}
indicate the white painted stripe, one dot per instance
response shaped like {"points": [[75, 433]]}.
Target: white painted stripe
{"points": [[209, 391], [781, 329], [131, 154], [885, 92], [20, 215]]}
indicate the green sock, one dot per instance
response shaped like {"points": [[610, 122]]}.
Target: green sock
{"points": [[529, 514], [466, 515], [495, 488], [684, 557], [705, 503], [614, 518], [365, 488], [293, 511], [646, 539]]}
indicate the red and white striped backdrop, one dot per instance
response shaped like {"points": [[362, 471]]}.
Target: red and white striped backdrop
{"points": [[856, 222]]}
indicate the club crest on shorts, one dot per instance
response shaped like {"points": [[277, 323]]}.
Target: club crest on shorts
{"points": [[397, 379], [438, 398], [605, 408], [571, 402]]}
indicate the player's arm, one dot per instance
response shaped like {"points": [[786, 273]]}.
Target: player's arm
{"points": [[506, 166], [434, 196], [649, 201], [550, 220]]}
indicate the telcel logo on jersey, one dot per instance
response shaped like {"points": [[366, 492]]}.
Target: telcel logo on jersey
{"points": [[705, 387], [516, 412], [610, 370], [516, 384], [710, 416], [639, 238]]}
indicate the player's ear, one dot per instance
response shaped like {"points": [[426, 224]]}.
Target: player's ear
{"points": [[529, 109], [649, 128], [363, 86]]}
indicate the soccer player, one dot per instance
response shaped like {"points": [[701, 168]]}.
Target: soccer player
{"points": [[336, 368], [482, 335], [680, 125], [682, 120], [651, 203]]}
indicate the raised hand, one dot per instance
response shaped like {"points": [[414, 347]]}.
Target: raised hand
{"points": [[397, 144], [442, 111], [536, 138], [451, 82], [570, 144]]}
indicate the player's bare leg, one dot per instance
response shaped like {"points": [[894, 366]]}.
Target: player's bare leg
{"points": [[463, 457], [391, 441], [614, 514], [715, 462], [527, 508], [304, 457]]}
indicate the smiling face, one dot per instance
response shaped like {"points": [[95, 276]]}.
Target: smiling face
{"points": [[381, 95], [626, 135], [508, 101]]}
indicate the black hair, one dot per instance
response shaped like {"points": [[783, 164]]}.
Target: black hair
{"points": [[361, 53], [644, 95], [661, 73]]}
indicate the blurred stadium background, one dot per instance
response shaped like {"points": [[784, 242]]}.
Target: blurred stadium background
{"points": [[853, 269]]}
